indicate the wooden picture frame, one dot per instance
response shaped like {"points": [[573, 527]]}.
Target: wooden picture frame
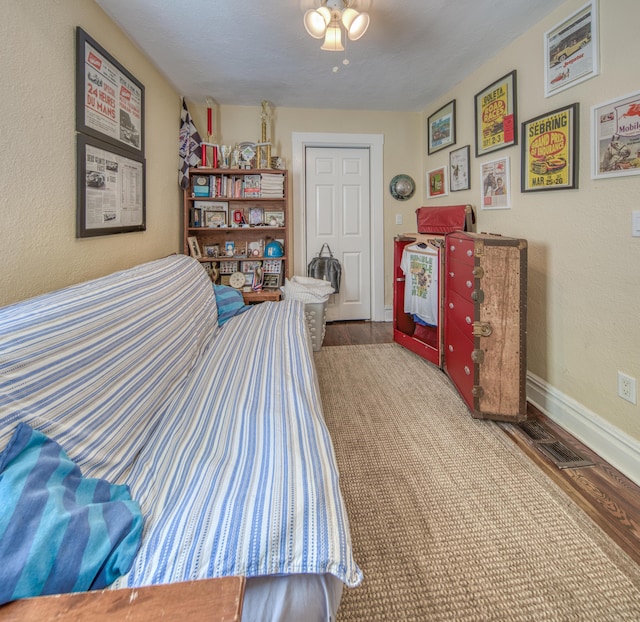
{"points": [[214, 218], [459, 171], [103, 171], [496, 184], [437, 183], [441, 128], [549, 147], [615, 137], [109, 99], [496, 116], [571, 50], [256, 216], [194, 246]]}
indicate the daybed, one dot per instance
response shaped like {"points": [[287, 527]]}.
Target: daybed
{"points": [[217, 430]]}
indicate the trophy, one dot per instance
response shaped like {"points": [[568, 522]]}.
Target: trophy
{"points": [[225, 150]]}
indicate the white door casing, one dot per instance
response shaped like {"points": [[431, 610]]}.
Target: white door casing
{"points": [[338, 214], [375, 144]]}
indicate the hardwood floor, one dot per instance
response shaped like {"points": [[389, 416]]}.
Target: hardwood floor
{"points": [[604, 494]]}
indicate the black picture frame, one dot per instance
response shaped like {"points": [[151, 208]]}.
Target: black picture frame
{"points": [[441, 128], [549, 150], [107, 177], [109, 99], [496, 115]]}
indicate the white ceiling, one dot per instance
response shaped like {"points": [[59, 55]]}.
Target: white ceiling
{"points": [[242, 52]]}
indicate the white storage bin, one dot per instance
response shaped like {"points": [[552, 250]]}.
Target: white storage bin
{"points": [[316, 316]]}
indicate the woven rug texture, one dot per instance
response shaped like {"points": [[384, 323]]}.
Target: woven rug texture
{"points": [[449, 519]]}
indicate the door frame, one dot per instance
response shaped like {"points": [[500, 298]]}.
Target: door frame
{"points": [[375, 143]]}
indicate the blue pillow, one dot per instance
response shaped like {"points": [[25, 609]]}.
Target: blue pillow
{"points": [[60, 532], [230, 302]]}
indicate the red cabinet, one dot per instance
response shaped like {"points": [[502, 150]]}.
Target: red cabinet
{"points": [[480, 340]]}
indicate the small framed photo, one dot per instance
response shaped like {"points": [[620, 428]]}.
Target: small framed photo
{"points": [[229, 248], [437, 183], [496, 184], [256, 216], [194, 246], [271, 281], [211, 250], [441, 128], [550, 151], [459, 174], [571, 52], [274, 219], [215, 219], [238, 216], [496, 115], [615, 135]]}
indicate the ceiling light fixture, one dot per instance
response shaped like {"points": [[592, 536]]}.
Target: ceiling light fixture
{"points": [[328, 20]]}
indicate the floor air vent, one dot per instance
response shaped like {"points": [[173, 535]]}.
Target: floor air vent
{"points": [[562, 456]]}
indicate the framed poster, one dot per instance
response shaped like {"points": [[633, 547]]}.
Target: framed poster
{"points": [[459, 175], [550, 150], [109, 100], [496, 184], [111, 189], [571, 50], [437, 183], [615, 136], [496, 115], [441, 128]]}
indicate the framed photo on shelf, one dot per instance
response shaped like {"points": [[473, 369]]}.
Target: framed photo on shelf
{"points": [[571, 50], [550, 151], [459, 174], [437, 183], [211, 250], [109, 99], [496, 115], [274, 219], [271, 281], [496, 184], [103, 173], [441, 128], [256, 215], [194, 246], [215, 219], [615, 136]]}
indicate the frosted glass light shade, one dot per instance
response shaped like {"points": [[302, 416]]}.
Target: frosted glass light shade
{"points": [[358, 25], [333, 40], [316, 21]]}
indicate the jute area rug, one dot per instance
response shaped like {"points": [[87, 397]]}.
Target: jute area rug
{"points": [[449, 520]]}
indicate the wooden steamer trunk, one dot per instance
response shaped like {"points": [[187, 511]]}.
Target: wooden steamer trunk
{"points": [[485, 323]]}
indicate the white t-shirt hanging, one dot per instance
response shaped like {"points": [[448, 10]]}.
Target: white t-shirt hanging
{"points": [[420, 267]]}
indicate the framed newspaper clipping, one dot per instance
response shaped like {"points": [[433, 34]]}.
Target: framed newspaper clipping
{"points": [[111, 189], [109, 99]]}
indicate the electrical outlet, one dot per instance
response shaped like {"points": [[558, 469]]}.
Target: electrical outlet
{"points": [[627, 387]]}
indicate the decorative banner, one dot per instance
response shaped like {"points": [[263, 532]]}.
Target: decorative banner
{"points": [[549, 151], [495, 112], [615, 134]]}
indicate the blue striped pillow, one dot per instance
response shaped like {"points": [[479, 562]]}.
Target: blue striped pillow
{"points": [[60, 532], [229, 301]]}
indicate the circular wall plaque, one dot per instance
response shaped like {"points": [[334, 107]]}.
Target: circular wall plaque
{"points": [[402, 187]]}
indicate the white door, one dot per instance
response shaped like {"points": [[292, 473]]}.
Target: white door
{"points": [[338, 214]]}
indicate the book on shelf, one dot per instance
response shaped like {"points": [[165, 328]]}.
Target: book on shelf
{"points": [[251, 186], [272, 185]]}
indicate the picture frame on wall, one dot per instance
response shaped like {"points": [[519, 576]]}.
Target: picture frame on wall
{"points": [[549, 147], [441, 128], [496, 116], [615, 136], [459, 173], [437, 183], [109, 99], [571, 50], [111, 189], [496, 184]]}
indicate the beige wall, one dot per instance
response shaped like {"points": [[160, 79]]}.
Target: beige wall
{"points": [[37, 170], [584, 266]]}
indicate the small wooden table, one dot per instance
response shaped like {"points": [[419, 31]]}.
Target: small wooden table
{"points": [[213, 600], [265, 294]]}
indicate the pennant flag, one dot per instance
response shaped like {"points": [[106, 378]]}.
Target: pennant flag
{"points": [[190, 148]]}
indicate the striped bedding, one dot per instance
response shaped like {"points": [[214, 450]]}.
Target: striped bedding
{"points": [[217, 431]]}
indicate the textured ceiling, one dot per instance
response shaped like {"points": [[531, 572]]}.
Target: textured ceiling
{"points": [[244, 51]]}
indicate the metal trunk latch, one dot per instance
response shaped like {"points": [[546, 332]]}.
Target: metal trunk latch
{"points": [[482, 329]]}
